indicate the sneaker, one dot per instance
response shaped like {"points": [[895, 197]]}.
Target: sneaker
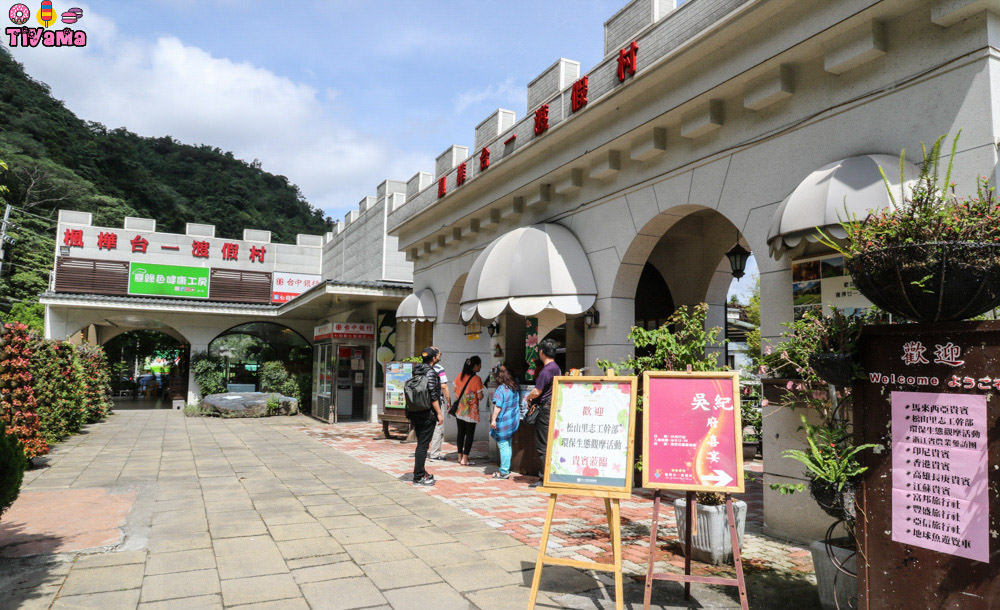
{"points": [[535, 483], [426, 481], [499, 475]]}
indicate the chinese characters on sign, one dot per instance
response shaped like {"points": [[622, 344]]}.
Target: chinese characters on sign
{"points": [[287, 286], [168, 281], [230, 251], [913, 352], [578, 99], [257, 253], [199, 249], [940, 497], [73, 238], [484, 159], [139, 244], [353, 330], [822, 284], [541, 119], [627, 58], [460, 176], [949, 353], [691, 432], [590, 432], [443, 186], [107, 241]]}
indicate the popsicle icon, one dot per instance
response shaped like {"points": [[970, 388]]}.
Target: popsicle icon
{"points": [[72, 15], [46, 14]]}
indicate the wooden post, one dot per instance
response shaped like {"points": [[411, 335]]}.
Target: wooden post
{"points": [[688, 526], [737, 555], [648, 594]]}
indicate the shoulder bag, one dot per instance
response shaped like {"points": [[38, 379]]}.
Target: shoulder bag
{"points": [[454, 406]]}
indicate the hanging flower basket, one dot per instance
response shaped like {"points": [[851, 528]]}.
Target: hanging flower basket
{"points": [[930, 282], [838, 504], [836, 368]]}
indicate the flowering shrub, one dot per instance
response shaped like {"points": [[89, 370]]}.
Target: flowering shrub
{"points": [[17, 396], [60, 391]]}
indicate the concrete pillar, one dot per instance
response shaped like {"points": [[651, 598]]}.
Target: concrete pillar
{"points": [[609, 340]]}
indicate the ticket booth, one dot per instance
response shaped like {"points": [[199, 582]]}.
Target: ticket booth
{"points": [[353, 380]]}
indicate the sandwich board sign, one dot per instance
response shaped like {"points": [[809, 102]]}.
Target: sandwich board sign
{"points": [[692, 433]]}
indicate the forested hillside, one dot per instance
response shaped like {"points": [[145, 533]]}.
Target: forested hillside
{"points": [[57, 160]]}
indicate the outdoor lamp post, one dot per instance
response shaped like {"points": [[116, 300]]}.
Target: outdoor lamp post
{"points": [[738, 256], [225, 353]]}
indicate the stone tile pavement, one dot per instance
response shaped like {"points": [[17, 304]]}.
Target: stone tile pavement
{"points": [[267, 514]]}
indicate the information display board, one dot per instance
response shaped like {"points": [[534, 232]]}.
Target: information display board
{"points": [[692, 434], [591, 427], [940, 488], [168, 280], [396, 374]]}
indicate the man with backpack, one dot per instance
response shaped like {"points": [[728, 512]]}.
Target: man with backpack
{"points": [[423, 409]]}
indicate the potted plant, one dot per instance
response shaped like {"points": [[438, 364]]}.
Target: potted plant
{"points": [[932, 256], [831, 460], [835, 358], [711, 542]]}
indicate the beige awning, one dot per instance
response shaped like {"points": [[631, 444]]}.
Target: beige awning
{"points": [[841, 190], [418, 307], [530, 269]]}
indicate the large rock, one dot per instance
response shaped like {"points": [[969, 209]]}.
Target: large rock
{"points": [[247, 404]]}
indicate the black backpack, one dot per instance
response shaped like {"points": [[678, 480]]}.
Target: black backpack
{"points": [[418, 393]]}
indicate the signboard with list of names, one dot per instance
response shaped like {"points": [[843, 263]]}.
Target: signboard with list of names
{"points": [[591, 427], [692, 434]]}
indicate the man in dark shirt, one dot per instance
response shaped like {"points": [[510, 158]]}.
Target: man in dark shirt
{"points": [[542, 396], [424, 421]]}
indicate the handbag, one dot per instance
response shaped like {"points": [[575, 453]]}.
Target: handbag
{"points": [[454, 406], [532, 415]]}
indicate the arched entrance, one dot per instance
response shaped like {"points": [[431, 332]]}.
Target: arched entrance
{"points": [[149, 369], [244, 348]]}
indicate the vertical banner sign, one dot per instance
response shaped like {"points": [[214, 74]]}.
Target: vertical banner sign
{"points": [[940, 488], [385, 348], [396, 374], [530, 346], [692, 437], [591, 426]]}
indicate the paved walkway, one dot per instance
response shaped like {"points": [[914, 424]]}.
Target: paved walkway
{"points": [[207, 513]]}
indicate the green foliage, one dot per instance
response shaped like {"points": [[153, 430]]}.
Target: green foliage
{"points": [[679, 343], [832, 457], [208, 373], [751, 416], [274, 377], [414, 359], [273, 405], [58, 161], [60, 391], [12, 466], [96, 382], [31, 314]]}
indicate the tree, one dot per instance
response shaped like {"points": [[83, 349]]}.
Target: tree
{"points": [[18, 408]]}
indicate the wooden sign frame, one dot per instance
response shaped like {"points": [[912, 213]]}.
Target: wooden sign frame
{"points": [[734, 377], [557, 383]]}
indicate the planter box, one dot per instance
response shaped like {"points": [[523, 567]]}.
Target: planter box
{"points": [[846, 587], [749, 451], [711, 543]]}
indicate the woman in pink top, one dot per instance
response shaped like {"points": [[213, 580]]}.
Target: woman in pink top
{"points": [[469, 389]]}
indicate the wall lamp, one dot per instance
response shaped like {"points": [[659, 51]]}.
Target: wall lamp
{"points": [[592, 317], [493, 328]]}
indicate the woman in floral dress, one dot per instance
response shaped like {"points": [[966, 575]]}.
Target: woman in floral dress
{"points": [[469, 387]]}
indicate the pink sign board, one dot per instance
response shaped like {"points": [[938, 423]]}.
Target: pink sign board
{"points": [[939, 473], [691, 434]]}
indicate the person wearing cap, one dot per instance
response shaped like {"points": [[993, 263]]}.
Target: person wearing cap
{"points": [[424, 422], [435, 450]]}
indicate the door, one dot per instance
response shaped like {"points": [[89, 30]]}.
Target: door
{"points": [[323, 381]]}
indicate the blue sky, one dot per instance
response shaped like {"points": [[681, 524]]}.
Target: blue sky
{"points": [[337, 96]]}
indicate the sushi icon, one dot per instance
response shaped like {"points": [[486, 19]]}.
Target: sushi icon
{"points": [[72, 16], [46, 14]]}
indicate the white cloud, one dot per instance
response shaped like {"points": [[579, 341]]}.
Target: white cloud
{"points": [[509, 94], [165, 87]]}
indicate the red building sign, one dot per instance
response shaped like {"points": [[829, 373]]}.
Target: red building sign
{"points": [[541, 119], [484, 159], [627, 61], [107, 241], [199, 249], [578, 99], [230, 251], [139, 244]]}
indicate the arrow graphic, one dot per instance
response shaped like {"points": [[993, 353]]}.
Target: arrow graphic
{"points": [[721, 478]]}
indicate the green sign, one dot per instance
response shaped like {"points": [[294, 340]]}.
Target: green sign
{"points": [[168, 280]]}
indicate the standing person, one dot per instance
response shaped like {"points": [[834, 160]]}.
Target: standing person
{"points": [[542, 397], [469, 389], [506, 418], [423, 409], [435, 449]]}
